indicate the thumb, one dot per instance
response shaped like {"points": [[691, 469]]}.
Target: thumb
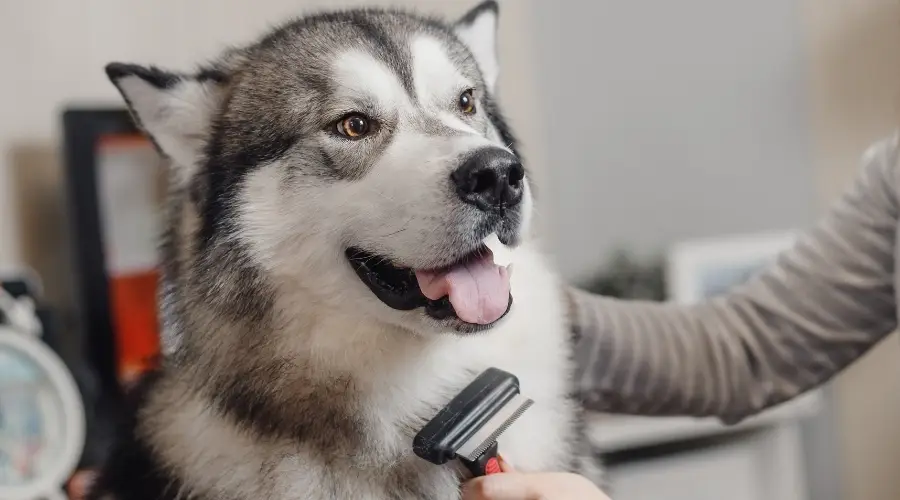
{"points": [[505, 466]]}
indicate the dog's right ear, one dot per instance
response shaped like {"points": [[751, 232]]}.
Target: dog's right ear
{"points": [[478, 30], [175, 110]]}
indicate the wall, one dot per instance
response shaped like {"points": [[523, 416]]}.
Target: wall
{"points": [[672, 120], [854, 49]]}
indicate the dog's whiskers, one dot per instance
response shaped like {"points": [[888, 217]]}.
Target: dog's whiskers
{"points": [[380, 260], [395, 233]]}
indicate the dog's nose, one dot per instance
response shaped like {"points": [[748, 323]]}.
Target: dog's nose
{"points": [[491, 179]]}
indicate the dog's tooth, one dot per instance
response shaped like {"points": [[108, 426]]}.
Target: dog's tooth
{"points": [[502, 253]]}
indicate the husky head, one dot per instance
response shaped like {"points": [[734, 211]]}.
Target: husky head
{"points": [[356, 160]]}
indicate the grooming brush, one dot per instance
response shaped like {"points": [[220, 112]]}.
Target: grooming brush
{"points": [[468, 427]]}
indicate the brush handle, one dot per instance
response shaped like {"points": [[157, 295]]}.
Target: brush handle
{"points": [[487, 463]]}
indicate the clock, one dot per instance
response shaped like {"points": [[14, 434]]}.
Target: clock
{"points": [[42, 421]]}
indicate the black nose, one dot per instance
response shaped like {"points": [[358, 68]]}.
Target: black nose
{"points": [[491, 179]]}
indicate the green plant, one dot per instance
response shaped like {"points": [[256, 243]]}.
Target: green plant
{"points": [[627, 277]]}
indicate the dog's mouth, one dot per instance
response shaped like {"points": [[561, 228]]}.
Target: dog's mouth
{"points": [[473, 290]]}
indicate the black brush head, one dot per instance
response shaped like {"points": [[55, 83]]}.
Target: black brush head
{"points": [[465, 415]]}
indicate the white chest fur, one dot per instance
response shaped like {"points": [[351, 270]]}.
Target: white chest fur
{"points": [[403, 383]]}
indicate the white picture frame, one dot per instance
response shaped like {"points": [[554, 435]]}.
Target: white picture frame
{"points": [[701, 268]]}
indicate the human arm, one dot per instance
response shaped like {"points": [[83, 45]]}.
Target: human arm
{"points": [[818, 308]]}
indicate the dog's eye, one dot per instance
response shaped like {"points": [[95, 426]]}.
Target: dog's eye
{"points": [[467, 102], [354, 126]]}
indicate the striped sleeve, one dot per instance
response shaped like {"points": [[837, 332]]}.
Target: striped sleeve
{"points": [[820, 306]]}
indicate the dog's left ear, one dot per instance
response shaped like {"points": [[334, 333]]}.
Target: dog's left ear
{"points": [[174, 109], [478, 30]]}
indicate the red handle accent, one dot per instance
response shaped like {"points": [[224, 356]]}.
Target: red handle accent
{"points": [[492, 467]]}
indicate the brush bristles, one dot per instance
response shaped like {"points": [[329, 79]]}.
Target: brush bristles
{"points": [[494, 427]]}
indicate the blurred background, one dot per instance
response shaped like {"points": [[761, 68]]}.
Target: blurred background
{"points": [[649, 123]]}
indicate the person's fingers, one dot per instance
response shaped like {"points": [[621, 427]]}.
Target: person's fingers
{"points": [[517, 486], [507, 486], [505, 466]]}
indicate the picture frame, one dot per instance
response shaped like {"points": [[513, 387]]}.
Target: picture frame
{"points": [[92, 183], [702, 268], [82, 130]]}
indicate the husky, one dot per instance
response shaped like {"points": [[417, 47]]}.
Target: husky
{"points": [[339, 193]]}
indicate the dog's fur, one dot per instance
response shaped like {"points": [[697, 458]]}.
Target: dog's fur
{"points": [[286, 377]]}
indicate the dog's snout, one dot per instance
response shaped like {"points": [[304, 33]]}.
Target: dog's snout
{"points": [[491, 179]]}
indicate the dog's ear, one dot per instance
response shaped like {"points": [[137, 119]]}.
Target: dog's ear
{"points": [[478, 30], [174, 109]]}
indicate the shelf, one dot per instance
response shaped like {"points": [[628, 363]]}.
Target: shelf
{"points": [[611, 433]]}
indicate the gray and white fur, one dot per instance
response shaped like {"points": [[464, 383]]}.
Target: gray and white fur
{"points": [[287, 377]]}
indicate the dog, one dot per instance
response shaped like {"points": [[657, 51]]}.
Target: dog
{"points": [[339, 191]]}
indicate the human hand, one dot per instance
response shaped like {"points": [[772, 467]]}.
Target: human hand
{"points": [[512, 485]]}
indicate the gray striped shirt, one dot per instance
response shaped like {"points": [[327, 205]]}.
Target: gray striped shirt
{"points": [[819, 307]]}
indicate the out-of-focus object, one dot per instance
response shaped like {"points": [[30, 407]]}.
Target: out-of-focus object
{"points": [[626, 276], [80, 483], [42, 424], [115, 183], [700, 269]]}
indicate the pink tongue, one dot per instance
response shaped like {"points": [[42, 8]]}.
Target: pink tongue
{"points": [[478, 289]]}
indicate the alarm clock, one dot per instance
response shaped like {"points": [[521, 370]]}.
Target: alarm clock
{"points": [[42, 419]]}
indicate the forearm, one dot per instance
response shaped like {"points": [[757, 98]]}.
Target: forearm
{"points": [[823, 304]]}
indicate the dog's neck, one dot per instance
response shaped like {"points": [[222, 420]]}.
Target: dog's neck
{"points": [[274, 360], [327, 375], [321, 341], [302, 342]]}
